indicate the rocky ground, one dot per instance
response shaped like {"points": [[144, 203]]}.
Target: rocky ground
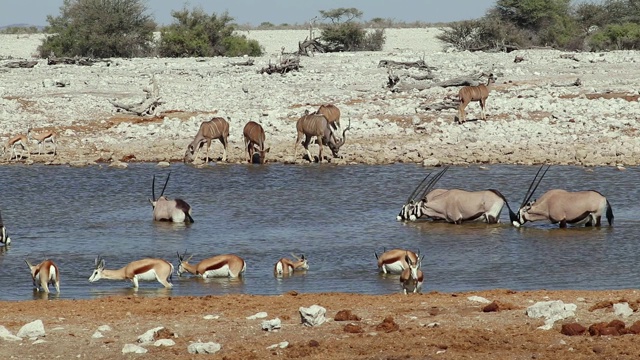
{"points": [[534, 113], [497, 324]]}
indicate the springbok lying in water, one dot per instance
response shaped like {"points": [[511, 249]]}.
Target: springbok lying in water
{"points": [[216, 128], [564, 207], [227, 265], [395, 261], [4, 238], [44, 274], [285, 267], [478, 93], [145, 269], [42, 139], [312, 124], [254, 136], [412, 277], [164, 209]]}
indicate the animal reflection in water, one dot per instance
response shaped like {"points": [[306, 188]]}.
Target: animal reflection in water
{"points": [[563, 207], [453, 206], [220, 266]]}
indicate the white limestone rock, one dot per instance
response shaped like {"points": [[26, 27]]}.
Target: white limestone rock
{"points": [[313, 315]]}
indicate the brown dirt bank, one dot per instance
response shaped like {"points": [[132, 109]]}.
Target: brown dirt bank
{"points": [[428, 326]]}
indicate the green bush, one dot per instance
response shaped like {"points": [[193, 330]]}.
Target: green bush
{"points": [[484, 34], [349, 35], [12, 30], [195, 33], [617, 37], [99, 28]]}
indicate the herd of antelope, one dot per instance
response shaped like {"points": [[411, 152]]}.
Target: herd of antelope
{"points": [[18, 146]]}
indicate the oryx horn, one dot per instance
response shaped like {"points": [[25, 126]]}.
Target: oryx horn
{"points": [[1, 222], [153, 188], [165, 184], [433, 181], [415, 191], [530, 192]]}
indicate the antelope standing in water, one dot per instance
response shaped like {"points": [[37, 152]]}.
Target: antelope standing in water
{"points": [[4, 238], [395, 261], [285, 267], [478, 93], [422, 191], [145, 269], [227, 265], [412, 277], [42, 139], [564, 207], [216, 128], [18, 140], [310, 125], [44, 274], [254, 140], [176, 211]]}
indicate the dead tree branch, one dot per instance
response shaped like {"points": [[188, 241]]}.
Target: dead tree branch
{"points": [[248, 62], [146, 107], [569, 56], [286, 65], [419, 64], [578, 82], [83, 61], [310, 46], [21, 64]]}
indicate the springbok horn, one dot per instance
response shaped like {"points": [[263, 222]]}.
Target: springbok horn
{"points": [[294, 256], [153, 189], [179, 257], [165, 184], [530, 193]]}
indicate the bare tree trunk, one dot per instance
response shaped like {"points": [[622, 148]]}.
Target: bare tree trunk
{"points": [[146, 107]]}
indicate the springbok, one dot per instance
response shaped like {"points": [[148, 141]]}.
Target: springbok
{"points": [[216, 128], [564, 207], [412, 277], [395, 261], [227, 265], [145, 269], [254, 140], [42, 139], [44, 274], [332, 114], [18, 140], [474, 93], [310, 125], [4, 238], [286, 267], [176, 211]]}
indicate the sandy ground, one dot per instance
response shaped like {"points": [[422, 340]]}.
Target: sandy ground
{"points": [[422, 326]]}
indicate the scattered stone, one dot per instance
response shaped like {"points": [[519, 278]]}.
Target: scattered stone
{"points": [[150, 335], [346, 315], [39, 341], [118, 165], [572, 329], [211, 317], [271, 325], [164, 342], [388, 325], [353, 328], [281, 345], [104, 328], [5, 334], [622, 309], [479, 299], [163, 164], [635, 328], [313, 343], [97, 335], [313, 315], [433, 325], [260, 315], [498, 306], [33, 329], [552, 311], [133, 348], [204, 348]]}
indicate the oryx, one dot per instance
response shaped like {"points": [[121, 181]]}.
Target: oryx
{"points": [[424, 191], [563, 207], [169, 210], [4, 238]]}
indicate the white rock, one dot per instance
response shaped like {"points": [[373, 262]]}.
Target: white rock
{"points": [[133, 348], [270, 325], [622, 309], [5, 334], [149, 335], [97, 335], [204, 348], [479, 299], [163, 164], [32, 329], [281, 345], [164, 342], [313, 315], [39, 341], [260, 315], [104, 328], [211, 317], [552, 311]]}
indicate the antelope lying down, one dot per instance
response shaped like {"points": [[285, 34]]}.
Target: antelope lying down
{"points": [[254, 136], [478, 93], [216, 128], [563, 207], [412, 277], [164, 209], [285, 267], [145, 269], [4, 238], [227, 265], [44, 274], [395, 261], [311, 125]]}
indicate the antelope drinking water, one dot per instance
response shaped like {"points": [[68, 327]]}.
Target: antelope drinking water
{"points": [[412, 277], [332, 114], [4, 238], [145, 269], [478, 93], [395, 261], [216, 128], [176, 211], [311, 125], [254, 140], [285, 267], [227, 265], [44, 274]]}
